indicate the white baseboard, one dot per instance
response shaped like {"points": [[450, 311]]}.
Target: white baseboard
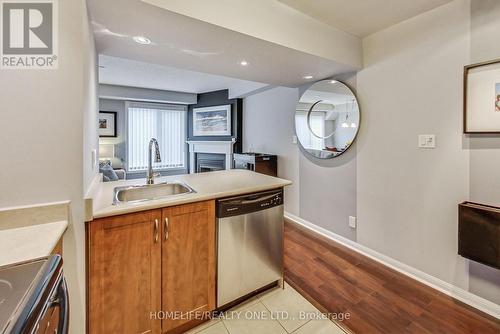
{"points": [[458, 293]]}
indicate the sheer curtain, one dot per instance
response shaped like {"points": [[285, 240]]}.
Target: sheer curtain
{"points": [[166, 123], [307, 139]]}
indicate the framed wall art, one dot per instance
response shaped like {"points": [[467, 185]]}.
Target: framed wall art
{"points": [[212, 121], [482, 97], [107, 123]]}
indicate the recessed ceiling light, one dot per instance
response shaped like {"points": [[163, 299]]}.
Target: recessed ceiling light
{"points": [[141, 40], [243, 63], [307, 77]]}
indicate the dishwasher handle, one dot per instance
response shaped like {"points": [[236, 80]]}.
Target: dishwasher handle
{"points": [[252, 200], [244, 204]]}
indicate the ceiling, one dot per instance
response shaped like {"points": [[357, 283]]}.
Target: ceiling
{"points": [[192, 55], [194, 45], [363, 17], [126, 72]]}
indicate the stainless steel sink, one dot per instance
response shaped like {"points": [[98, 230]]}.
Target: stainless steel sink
{"points": [[148, 192]]}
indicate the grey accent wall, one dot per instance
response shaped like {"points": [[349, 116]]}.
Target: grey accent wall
{"points": [[218, 98]]}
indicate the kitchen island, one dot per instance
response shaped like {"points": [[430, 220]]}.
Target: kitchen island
{"points": [[152, 265], [207, 186]]}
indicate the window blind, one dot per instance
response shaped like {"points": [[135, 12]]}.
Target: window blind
{"points": [[166, 123], [307, 139]]}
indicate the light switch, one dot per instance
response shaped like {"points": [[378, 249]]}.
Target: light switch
{"points": [[352, 222], [427, 141], [294, 139], [94, 160]]}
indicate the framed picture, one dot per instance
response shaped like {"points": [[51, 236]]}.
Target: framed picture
{"points": [[482, 97], [212, 121], [107, 124]]}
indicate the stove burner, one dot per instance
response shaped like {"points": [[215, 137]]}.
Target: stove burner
{"points": [[15, 282], [5, 290]]}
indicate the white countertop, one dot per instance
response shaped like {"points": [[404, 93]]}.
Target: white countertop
{"points": [[207, 186], [29, 242]]}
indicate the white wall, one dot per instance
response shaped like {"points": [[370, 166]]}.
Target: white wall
{"points": [[268, 127], [484, 149], [323, 192], [407, 197], [328, 187], [41, 132], [90, 106]]}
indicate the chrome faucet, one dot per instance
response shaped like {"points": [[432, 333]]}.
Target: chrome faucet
{"points": [[150, 178]]}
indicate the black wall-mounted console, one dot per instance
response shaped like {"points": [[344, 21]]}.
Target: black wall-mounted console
{"points": [[479, 233]]}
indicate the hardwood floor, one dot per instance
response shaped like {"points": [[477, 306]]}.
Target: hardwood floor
{"points": [[379, 300]]}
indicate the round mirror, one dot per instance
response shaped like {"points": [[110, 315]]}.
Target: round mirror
{"points": [[327, 119]]}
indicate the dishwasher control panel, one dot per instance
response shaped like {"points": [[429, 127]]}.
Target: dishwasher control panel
{"points": [[244, 204]]}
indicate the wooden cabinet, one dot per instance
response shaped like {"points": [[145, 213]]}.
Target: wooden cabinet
{"points": [[146, 262], [124, 273], [188, 262], [50, 321]]}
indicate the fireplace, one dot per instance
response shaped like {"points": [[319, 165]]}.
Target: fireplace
{"points": [[215, 151], [210, 162]]}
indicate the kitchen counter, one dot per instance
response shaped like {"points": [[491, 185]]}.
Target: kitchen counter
{"points": [[29, 242], [207, 186]]}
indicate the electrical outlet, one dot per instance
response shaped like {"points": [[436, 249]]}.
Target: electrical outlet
{"points": [[352, 222], [294, 139], [427, 141]]}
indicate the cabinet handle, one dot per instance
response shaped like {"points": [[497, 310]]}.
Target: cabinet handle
{"points": [[156, 230], [166, 228]]}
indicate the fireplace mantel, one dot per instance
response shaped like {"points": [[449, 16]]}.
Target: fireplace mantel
{"points": [[206, 146]]}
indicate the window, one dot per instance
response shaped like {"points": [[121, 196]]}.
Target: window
{"points": [[166, 123], [307, 139]]}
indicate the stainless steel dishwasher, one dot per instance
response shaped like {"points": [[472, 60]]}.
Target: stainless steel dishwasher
{"points": [[249, 244]]}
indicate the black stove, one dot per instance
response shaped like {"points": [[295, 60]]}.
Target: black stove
{"points": [[32, 295]]}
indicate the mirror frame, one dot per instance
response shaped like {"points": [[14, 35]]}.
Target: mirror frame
{"points": [[357, 129]]}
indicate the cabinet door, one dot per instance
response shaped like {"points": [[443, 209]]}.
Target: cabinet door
{"points": [[188, 263], [125, 273]]}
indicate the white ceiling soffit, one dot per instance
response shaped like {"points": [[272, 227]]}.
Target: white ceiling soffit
{"points": [[363, 17], [275, 22], [133, 73], [183, 42]]}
